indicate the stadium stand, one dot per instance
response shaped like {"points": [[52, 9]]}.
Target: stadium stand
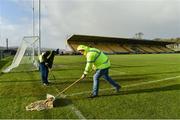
{"points": [[165, 49], [116, 48], [128, 48], [104, 47], [112, 45], [146, 49]]}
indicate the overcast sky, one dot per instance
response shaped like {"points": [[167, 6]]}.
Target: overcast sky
{"points": [[115, 18]]}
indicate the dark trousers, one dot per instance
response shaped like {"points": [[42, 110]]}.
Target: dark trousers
{"points": [[44, 72]]}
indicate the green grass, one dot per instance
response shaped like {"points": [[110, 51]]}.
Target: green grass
{"points": [[159, 100]]}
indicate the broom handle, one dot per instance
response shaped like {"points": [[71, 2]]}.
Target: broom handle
{"points": [[68, 87]]}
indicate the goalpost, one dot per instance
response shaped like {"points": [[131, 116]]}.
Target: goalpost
{"points": [[26, 54]]}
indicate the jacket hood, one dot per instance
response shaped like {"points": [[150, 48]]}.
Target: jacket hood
{"points": [[83, 48]]}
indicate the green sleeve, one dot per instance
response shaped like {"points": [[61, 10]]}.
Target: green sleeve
{"points": [[89, 63]]}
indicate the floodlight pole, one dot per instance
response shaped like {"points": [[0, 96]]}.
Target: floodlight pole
{"points": [[33, 20], [1, 16], [33, 31], [39, 51], [7, 41]]}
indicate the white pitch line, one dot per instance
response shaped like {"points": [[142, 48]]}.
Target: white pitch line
{"points": [[154, 81], [72, 107], [77, 112], [126, 86], [80, 93]]}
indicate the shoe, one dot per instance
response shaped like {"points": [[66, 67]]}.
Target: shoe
{"points": [[118, 89], [93, 96], [45, 84]]}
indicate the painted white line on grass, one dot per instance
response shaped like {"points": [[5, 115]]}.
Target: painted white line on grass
{"points": [[154, 81], [126, 86], [72, 107], [80, 93], [77, 112]]}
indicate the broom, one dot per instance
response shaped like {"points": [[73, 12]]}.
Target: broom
{"points": [[48, 103]]}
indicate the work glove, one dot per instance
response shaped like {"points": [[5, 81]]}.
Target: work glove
{"points": [[47, 64], [83, 76]]}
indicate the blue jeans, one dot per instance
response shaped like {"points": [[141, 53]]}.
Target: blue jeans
{"points": [[105, 74], [44, 72]]}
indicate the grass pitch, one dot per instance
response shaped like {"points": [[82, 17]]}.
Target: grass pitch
{"points": [[139, 97]]}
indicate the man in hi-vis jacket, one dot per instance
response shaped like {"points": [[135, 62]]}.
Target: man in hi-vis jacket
{"points": [[101, 63], [45, 63]]}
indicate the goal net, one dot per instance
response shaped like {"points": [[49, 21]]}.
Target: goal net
{"points": [[26, 55]]}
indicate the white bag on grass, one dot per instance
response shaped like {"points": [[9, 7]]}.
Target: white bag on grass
{"points": [[41, 104]]}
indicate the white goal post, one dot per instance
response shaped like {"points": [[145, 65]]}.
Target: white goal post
{"points": [[26, 53]]}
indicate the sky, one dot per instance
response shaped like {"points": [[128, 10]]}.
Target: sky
{"points": [[60, 19]]}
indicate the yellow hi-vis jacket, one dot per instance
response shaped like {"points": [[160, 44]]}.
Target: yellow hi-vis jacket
{"points": [[47, 57], [94, 58], [41, 58]]}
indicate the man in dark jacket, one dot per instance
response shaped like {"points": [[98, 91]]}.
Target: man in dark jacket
{"points": [[45, 63]]}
